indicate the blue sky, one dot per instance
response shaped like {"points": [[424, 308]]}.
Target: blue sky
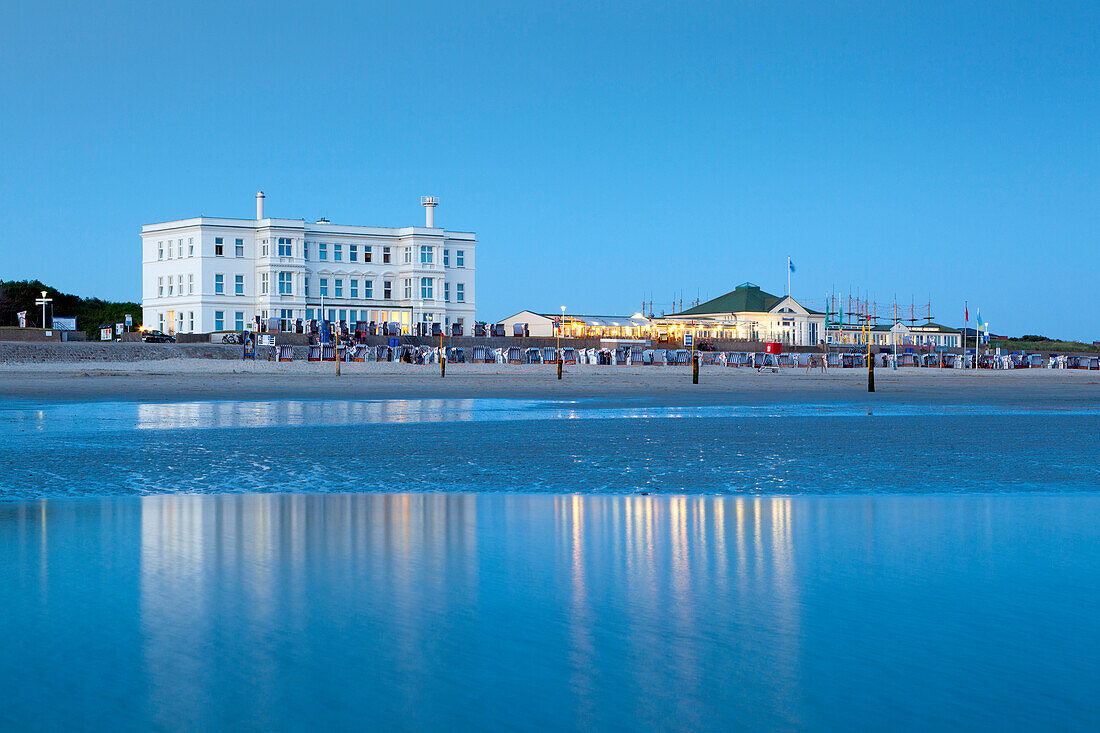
{"points": [[603, 152]]}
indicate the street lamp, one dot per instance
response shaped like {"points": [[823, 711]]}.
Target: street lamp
{"points": [[561, 328], [42, 302]]}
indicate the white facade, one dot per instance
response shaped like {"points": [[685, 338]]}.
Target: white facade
{"points": [[210, 274]]}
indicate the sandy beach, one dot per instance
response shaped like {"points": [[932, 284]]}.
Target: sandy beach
{"points": [[81, 372]]}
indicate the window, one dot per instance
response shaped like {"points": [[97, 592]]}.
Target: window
{"points": [[263, 250], [305, 286], [286, 249], [191, 284], [263, 283], [219, 284], [179, 249], [366, 253], [460, 292], [179, 282], [219, 320], [368, 289], [238, 320], [238, 284], [353, 253], [322, 250], [324, 287], [219, 247], [160, 319], [460, 258], [239, 247], [385, 255], [446, 258], [337, 252], [191, 321], [408, 288], [338, 285], [160, 250], [408, 255], [171, 289], [355, 288], [387, 289], [447, 292], [305, 250], [190, 246], [160, 287], [169, 250], [286, 283], [425, 255]]}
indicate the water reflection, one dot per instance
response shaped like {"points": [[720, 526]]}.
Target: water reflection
{"points": [[565, 611], [99, 417]]}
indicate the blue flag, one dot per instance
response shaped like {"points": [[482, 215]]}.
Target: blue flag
{"points": [[790, 264]]}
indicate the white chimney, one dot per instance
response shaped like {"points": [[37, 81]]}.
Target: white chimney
{"points": [[429, 203], [259, 205]]}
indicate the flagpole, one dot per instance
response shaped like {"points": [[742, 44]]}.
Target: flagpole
{"points": [[788, 276]]}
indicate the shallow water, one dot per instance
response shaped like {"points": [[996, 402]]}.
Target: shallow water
{"points": [[128, 448], [521, 611]]}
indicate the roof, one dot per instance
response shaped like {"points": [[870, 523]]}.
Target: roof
{"points": [[745, 298], [602, 321]]}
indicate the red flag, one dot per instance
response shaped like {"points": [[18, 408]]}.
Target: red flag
{"points": [[967, 307]]}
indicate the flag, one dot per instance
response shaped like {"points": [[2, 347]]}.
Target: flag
{"points": [[22, 319], [790, 264], [966, 307], [980, 323]]}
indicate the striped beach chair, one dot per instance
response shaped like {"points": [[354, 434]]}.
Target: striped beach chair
{"points": [[314, 353], [569, 355], [549, 355], [515, 354]]}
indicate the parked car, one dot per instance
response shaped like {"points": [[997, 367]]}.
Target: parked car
{"points": [[158, 337]]}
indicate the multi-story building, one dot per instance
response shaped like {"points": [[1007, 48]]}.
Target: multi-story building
{"points": [[211, 274]]}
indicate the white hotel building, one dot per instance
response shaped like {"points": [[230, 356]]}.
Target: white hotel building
{"points": [[209, 274]]}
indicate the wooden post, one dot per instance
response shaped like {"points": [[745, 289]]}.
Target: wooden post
{"points": [[870, 371], [695, 369], [559, 366]]}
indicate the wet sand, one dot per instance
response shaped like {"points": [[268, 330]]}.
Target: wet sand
{"points": [[184, 379]]}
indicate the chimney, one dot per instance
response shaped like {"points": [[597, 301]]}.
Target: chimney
{"points": [[429, 203], [259, 205]]}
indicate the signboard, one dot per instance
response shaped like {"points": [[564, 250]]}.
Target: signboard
{"points": [[22, 319], [393, 343], [105, 333], [129, 321], [688, 338], [64, 324], [266, 339], [119, 329], [773, 347]]}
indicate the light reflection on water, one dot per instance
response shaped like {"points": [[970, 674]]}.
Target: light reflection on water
{"points": [[76, 418], [534, 612]]}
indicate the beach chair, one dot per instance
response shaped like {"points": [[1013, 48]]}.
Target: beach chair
{"points": [[569, 355], [285, 352], [515, 355], [532, 355], [314, 353], [636, 355], [549, 355]]}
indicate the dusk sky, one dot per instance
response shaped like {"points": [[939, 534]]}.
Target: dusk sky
{"points": [[603, 152]]}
